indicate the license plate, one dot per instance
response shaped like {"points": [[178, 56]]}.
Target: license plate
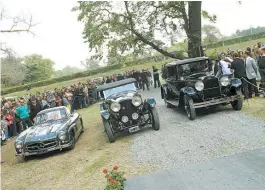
{"points": [[134, 129]]}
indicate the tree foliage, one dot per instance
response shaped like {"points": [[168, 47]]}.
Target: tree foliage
{"points": [[250, 31], [90, 64], [211, 34], [37, 68], [12, 71], [130, 27]]}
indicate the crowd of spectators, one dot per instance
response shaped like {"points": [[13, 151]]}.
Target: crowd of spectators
{"points": [[17, 114]]}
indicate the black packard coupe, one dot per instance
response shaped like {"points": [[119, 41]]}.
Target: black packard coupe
{"points": [[191, 84], [54, 128], [123, 108]]}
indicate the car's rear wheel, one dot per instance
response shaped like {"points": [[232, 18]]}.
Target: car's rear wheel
{"points": [[109, 131], [155, 119], [189, 107], [237, 104], [72, 140]]}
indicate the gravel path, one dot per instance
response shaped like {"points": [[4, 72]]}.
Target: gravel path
{"points": [[181, 141]]}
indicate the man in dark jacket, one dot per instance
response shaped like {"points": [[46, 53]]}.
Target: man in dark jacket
{"points": [[156, 77], [238, 66], [144, 79], [261, 65], [35, 108]]}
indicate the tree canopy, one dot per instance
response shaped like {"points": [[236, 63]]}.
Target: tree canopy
{"points": [[211, 34], [38, 68], [67, 70], [130, 27]]}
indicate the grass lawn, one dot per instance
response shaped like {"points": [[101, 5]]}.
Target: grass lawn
{"points": [[255, 107], [75, 81], [80, 168]]}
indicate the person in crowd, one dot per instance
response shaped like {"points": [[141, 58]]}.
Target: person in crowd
{"points": [[251, 73], [51, 99], [69, 97], [144, 79], [224, 64], [261, 65], [156, 77], [238, 66], [23, 113], [35, 108]]}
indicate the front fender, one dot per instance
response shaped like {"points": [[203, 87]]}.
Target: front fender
{"points": [[151, 102], [188, 91], [164, 90], [104, 113], [236, 83]]}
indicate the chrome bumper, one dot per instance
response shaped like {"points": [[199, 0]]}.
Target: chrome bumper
{"points": [[217, 101], [45, 150]]}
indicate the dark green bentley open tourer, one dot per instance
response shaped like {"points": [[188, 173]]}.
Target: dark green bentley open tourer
{"points": [[54, 128]]}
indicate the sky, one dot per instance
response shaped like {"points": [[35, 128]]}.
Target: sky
{"points": [[58, 35]]}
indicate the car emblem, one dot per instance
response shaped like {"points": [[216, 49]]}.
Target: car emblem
{"points": [[123, 108], [41, 145]]}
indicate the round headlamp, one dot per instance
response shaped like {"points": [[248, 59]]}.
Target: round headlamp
{"points": [[225, 81], [199, 85], [115, 106], [137, 101], [124, 119], [135, 116], [62, 135], [19, 145]]}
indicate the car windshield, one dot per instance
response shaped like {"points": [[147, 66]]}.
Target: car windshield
{"points": [[119, 89], [50, 116], [187, 69]]}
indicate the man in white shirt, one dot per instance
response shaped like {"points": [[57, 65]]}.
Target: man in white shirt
{"points": [[224, 65]]}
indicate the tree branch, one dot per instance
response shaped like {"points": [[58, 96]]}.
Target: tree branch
{"points": [[144, 39]]}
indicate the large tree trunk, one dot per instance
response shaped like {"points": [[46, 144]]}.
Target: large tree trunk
{"points": [[194, 29]]}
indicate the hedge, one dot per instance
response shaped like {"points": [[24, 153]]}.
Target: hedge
{"points": [[236, 40], [9, 90]]}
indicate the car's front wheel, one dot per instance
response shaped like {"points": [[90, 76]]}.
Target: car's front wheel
{"points": [[109, 131], [189, 107], [237, 104], [72, 140], [155, 119]]}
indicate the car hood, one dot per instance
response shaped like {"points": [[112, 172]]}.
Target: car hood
{"points": [[122, 96], [43, 131]]}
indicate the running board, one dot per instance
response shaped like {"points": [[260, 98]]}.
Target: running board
{"points": [[173, 102]]}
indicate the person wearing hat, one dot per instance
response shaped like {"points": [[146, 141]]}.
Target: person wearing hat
{"points": [[23, 114], [261, 65]]}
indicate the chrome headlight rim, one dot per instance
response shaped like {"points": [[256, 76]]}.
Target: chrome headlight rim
{"points": [[115, 106], [135, 116], [137, 100], [62, 135], [224, 81], [124, 119], [19, 144], [199, 85]]}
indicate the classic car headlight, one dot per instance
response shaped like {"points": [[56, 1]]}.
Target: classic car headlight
{"points": [[199, 85], [135, 116], [124, 119], [137, 101], [115, 106], [19, 144], [61, 135], [225, 81]]}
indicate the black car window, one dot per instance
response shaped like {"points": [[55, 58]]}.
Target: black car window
{"points": [[199, 66], [172, 71]]}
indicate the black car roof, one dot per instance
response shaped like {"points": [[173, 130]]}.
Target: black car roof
{"points": [[52, 109], [185, 61], [116, 84]]}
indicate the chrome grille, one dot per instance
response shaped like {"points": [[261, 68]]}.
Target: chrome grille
{"points": [[211, 88], [41, 145], [127, 108]]}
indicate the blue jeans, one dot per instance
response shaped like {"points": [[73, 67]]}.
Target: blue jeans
{"points": [[6, 134]]}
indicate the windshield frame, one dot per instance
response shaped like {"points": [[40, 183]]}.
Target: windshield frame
{"points": [[119, 89], [180, 70]]}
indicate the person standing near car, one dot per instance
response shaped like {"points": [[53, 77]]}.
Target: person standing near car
{"points": [[23, 113], [238, 66], [156, 77], [144, 80], [251, 72], [35, 108], [261, 65]]}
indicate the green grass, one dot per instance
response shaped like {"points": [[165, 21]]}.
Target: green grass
{"points": [[255, 107], [84, 79]]}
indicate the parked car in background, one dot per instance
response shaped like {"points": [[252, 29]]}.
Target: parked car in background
{"points": [[124, 109], [54, 128], [191, 84]]}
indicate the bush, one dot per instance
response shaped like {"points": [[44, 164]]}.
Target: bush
{"points": [[115, 179]]}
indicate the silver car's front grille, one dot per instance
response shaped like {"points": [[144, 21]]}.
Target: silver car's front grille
{"points": [[41, 145]]}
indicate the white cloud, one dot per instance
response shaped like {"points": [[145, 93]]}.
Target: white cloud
{"points": [[59, 35]]}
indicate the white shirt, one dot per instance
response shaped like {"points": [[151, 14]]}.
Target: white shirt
{"points": [[225, 69]]}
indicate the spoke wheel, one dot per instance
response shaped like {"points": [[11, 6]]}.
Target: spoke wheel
{"points": [[189, 107]]}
